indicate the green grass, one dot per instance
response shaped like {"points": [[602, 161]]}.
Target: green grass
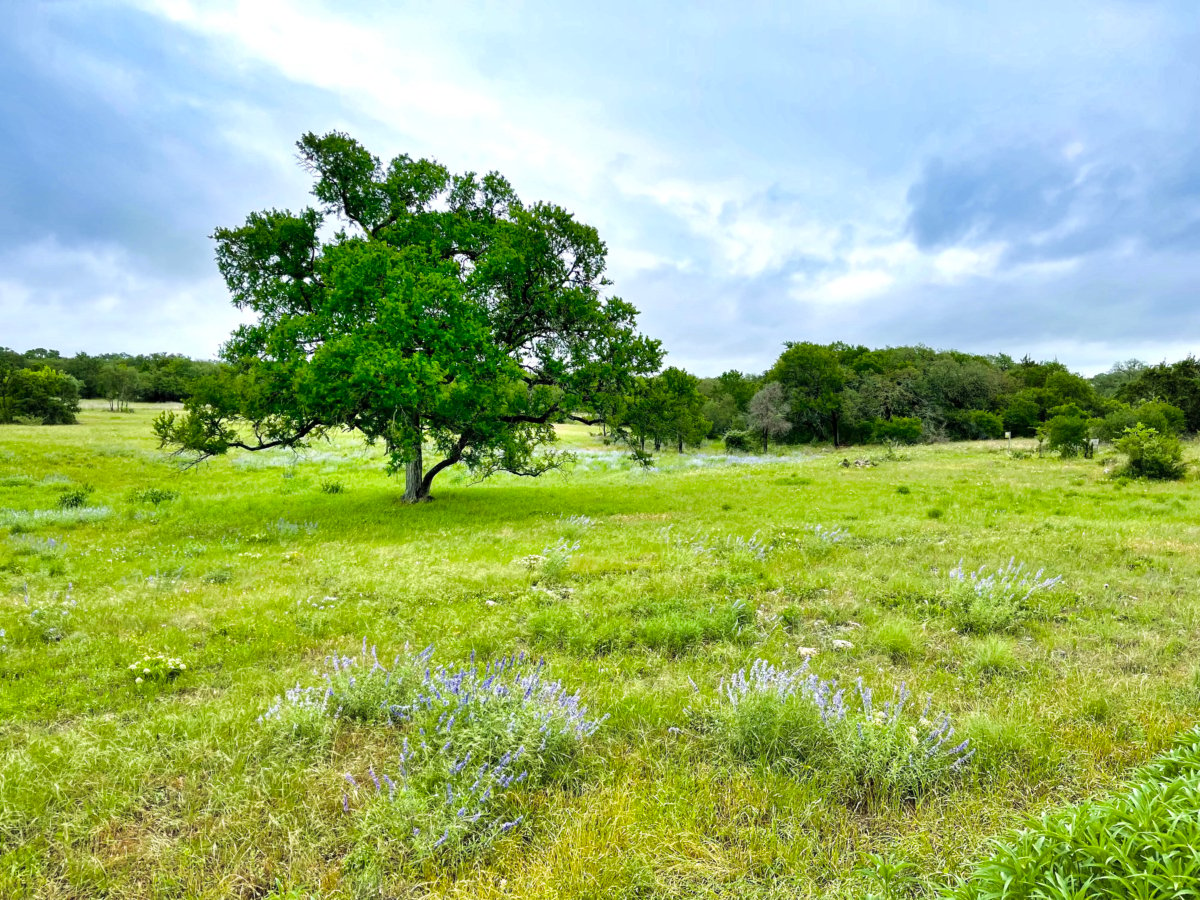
{"points": [[252, 569]]}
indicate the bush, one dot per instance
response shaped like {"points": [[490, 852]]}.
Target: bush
{"points": [[44, 396], [76, 497], [1066, 433], [1151, 455], [1162, 417], [1140, 843], [796, 720], [900, 429], [153, 495], [740, 441], [332, 487], [978, 425], [982, 602], [473, 739]]}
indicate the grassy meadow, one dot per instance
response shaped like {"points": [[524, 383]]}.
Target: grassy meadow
{"points": [[642, 589]]}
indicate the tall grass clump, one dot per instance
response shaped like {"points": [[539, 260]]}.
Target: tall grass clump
{"points": [[869, 753], [984, 601], [473, 742], [1140, 843]]}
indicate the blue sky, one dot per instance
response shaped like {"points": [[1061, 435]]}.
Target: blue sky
{"points": [[995, 177]]}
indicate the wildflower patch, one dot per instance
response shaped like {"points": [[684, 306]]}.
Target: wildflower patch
{"points": [[473, 740], [870, 752]]}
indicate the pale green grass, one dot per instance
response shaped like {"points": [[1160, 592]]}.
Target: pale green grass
{"points": [[253, 573]]}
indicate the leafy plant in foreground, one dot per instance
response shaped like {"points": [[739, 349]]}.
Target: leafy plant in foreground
{"points": [[1140, 843]]}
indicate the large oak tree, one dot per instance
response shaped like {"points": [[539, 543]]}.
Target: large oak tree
{"points": [[442, 312]]}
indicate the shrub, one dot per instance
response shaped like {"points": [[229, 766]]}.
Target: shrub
{"points": [[76, 497], [472, 740], [1157, 414], [900, 429], [740, 441], [982, 602], [794, 719], [42, 396], [1139, 843], [1151, 455], [978, 424], [1066, 433], [153, 495], [332, 487]]}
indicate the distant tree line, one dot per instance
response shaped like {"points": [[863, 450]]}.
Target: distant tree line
{"points": [[847, 394], [41, 385]]}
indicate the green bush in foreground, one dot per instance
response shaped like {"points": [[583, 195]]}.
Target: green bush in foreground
{"points": [[1142, 843]]}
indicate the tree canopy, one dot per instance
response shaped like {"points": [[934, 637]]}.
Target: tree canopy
{"points": [[443, 311]]}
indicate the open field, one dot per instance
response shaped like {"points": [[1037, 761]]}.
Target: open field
{"points": [[252, 569]]}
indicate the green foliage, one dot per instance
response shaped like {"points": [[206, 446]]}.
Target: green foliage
{"points": [[450, 314], [813, 378], [155, 496], [1067, 432], [739, 441], [866, 752], [768, 413], [1022, 415], [1139, 843], [1175, 383], [75, 497], [900, 429], [1157, 414], [979, 425], [1150, 454], [156, 667], [332, 486], [43, 395]]}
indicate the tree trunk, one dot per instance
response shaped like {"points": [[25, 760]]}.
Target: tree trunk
{"points": [[681, 444], [416, 487], [765, 434], [836, 442]]}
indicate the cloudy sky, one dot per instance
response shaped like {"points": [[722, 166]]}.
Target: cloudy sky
{"points": [[1019, 177]]}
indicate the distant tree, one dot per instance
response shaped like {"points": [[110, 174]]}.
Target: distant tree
{"points": [[813, 379], [1066, 431], [1177, 383], [768, 413], [1022, 414], [444, 311], [119, 384], [683, 412], [1108, 384], [1164, 418], [43, 395]]}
